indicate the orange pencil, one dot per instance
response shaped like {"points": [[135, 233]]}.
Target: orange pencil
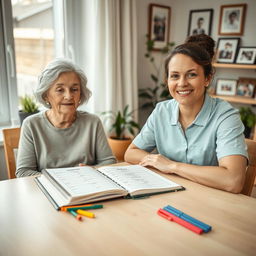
{"points": [[64, 208]]}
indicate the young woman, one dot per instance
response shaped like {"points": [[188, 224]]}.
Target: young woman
{"points": [[196, 136]]}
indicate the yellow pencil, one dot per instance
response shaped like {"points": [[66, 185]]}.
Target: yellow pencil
{"points": [[86, 214]]}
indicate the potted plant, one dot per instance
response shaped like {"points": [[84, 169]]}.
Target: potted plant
{"points": [[121, 127], [152, 95], [249, 120], [28, 107]]}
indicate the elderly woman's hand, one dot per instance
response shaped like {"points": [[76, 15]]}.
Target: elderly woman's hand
{"points": [[81, 164]]}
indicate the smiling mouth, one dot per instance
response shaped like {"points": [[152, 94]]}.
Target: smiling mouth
{"points": [[184, 93], [67, 104]]}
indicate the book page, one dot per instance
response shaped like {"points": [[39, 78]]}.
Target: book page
{"points": [[79, 181], [137, 177]]}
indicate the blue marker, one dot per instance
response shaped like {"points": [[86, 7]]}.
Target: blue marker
{"points": [[206, 228]]}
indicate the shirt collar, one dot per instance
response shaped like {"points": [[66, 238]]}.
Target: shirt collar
{"points": [[175, 115], [202, 117]]}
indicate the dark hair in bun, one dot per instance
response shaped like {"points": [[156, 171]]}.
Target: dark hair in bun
{"points": [[198, 47], [203, 41]]}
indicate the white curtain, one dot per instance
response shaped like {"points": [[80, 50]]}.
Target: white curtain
{"points": [[107, 52]]}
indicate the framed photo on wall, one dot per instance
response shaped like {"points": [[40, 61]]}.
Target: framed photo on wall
{"points": [[226, 87], [159, 25], [246, 87], [232, 19], [226, 49], [246, 55], [200, 22]]}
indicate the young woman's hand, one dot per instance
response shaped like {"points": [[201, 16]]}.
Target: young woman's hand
{"points": [[159, 162]]}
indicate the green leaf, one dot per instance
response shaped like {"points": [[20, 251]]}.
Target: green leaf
{"points": [[171, 44], [164, 94], [125, 110], [154, 78], [151, 90], [134, 124], [131, 131], [122, 121], [165, 49], [145, 95], [147, 105], [155, 90], [247, 116], [150, 45]]}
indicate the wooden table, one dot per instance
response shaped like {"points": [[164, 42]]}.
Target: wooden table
{"points": [[29, 225]]}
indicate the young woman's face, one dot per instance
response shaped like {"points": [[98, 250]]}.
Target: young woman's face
{"points": [[186, 80], [64, 95]]}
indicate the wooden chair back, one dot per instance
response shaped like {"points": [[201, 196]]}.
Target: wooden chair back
{"points": [[11, 141], [251, 169]]}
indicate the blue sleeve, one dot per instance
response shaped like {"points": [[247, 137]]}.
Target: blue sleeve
{"points": [[230, 137], [146, 138]]}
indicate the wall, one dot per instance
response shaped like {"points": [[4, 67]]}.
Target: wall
{"points": [[179, 25]]}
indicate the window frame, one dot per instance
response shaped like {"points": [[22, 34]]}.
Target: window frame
{"points": [[9, 98]]}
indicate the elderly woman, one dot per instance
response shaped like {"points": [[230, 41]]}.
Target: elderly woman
{"points": [[61, 136]]}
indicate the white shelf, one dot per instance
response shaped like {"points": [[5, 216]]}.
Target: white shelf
{"points": [[236, 99], [240, 66]]}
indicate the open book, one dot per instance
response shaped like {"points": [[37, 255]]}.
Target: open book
{"points": [[78, 185]]}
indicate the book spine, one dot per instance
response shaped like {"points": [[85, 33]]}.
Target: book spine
{"points": [[56, 184], [52, 201], [111, 179]]}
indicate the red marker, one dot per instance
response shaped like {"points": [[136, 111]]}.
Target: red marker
{"points": [[171, 217]]}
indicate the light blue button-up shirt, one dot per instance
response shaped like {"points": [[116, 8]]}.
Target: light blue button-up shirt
{"points": [[217, 131]]}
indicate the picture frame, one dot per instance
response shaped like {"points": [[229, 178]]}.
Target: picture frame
{"points": [[246, 87], [200, 22], [232, 19], [227, 49], [159, 25], [246, 55], [226, 87]]}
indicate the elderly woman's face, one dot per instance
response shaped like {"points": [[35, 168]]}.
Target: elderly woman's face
{"points": [[64, 94]]}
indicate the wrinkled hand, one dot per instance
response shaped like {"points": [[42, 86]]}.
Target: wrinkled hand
{"points": [[157, 161], [82, 164]]}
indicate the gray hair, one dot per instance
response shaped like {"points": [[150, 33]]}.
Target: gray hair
{"points": [[52, 71]]}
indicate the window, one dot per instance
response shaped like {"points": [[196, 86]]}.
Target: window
{"points": [[27, 44], [34, 41]]}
